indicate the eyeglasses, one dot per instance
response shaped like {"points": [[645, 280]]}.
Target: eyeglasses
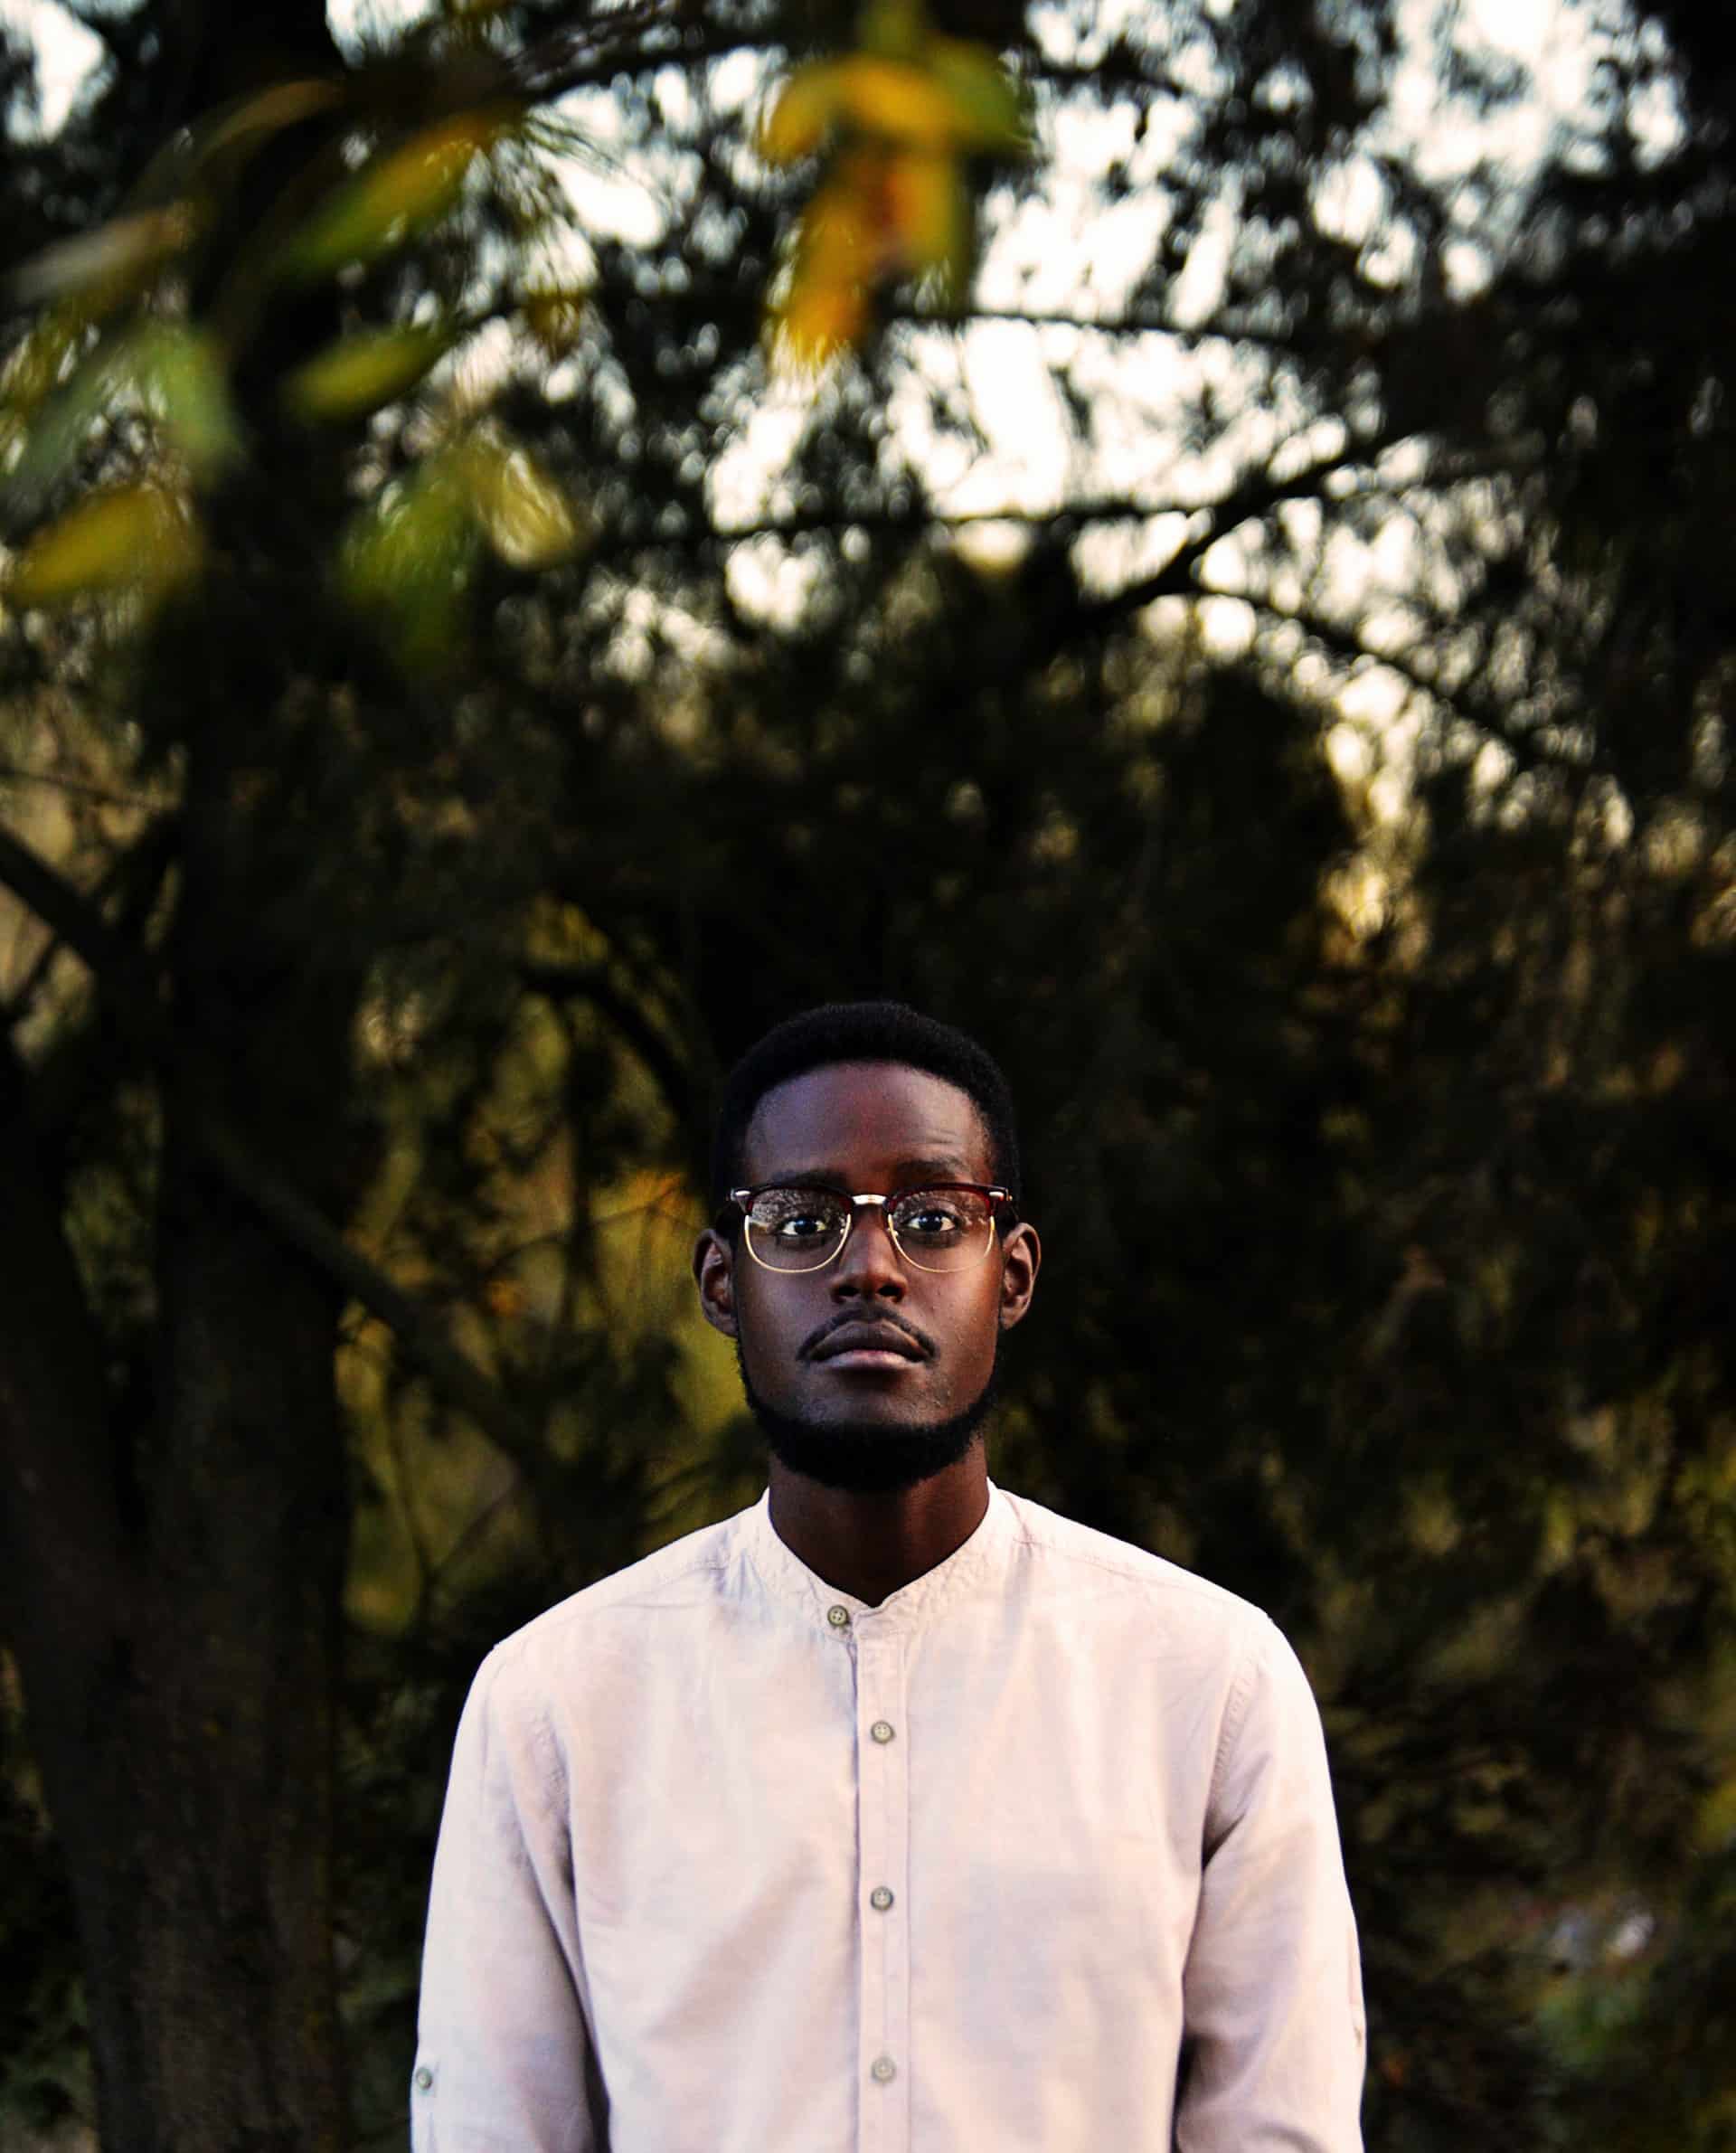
{"points": [[944, 1225]]}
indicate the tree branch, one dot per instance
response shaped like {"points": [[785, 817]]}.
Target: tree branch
{"points": [[592, 982], [1259, 493], [578, 62], [132, 996], [1344, 643], [138, 874], [1479, 709], [1257, 496], [920, 515], [13, 773]]}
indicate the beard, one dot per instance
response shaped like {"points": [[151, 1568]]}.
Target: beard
{"points": [[866, 1456]]}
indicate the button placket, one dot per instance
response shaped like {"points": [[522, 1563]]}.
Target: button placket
{"points": [[882, 1842]]}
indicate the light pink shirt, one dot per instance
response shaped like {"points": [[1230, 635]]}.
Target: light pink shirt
{"points": [[733, 1863]]}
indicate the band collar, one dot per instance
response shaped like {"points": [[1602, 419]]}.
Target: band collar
{"points": [[971, 1567]]}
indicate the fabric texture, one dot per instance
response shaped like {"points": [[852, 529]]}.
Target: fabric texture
{"points": [[1039, 1854]]}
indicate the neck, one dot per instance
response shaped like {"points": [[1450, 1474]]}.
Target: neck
{"points": [[869, 1546]]}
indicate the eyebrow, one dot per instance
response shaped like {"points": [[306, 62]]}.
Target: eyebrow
{"points": [[945, 1167]]}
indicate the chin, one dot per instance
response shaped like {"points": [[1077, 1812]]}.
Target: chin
{"points": [[861, 1456]]}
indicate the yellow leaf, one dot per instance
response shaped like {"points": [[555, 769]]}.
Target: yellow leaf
{"points": [[365, 371], [392, 197], [897, 98], [134, 538], [928, 208], [804, 110], [839, 249], [839, 236], [818, 318], [523, 513]]}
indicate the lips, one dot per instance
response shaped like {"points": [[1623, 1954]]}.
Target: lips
{"points": [[867, 1338]]}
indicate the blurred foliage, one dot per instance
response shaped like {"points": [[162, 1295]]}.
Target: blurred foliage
{"points": [[143, 317], [905, 111], [1329, 821]]}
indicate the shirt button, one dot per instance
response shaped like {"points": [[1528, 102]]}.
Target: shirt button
{"points": [[882, 1730], [882, 2068], [424, 2078], [838, 1616], [880, 1898]]}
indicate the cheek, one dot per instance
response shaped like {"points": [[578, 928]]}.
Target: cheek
{"points": [[973, 1328], [772, 1325]]}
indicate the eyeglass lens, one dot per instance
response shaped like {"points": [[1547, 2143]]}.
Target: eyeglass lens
{"points": [[799, 1229]]}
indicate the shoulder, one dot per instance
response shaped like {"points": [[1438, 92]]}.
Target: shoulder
{"points": [[1065, 1557], [1133, 1607], [686, 1574]]}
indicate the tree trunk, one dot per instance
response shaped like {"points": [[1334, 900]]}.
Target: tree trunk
{"points": [[191, 1785], [229, 1993], [175, 1610], [177, 1586]]}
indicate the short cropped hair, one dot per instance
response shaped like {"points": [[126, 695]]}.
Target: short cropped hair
{"points": [[863, 1031]]}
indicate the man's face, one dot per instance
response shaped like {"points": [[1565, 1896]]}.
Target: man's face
{"points": [[870, 1353]]}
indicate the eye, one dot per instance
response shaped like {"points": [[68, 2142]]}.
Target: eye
{"points": [[933, 1216], [802, 1225], [793, 1215]]}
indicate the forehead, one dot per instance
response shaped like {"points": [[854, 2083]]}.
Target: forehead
{"points": [[862, 1121]]}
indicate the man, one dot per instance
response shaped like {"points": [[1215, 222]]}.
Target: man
{"points": [[896, 1814]]}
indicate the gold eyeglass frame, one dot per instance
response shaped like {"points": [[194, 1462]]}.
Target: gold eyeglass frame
{"points": [[996, 1196]]}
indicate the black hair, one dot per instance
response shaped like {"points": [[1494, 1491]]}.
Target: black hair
{"points": [[863, 1031]]}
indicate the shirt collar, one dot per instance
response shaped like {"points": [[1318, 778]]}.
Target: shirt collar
{"points": [[973, 1567]]}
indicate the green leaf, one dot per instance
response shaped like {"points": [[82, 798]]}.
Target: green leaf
{"points": [[985, 94], [134, 538], [363, 373], [104, 267], [60, 429], [240, 127], [409, 558], [893, 29], [183, 376], [175, 372], [389, 200]]}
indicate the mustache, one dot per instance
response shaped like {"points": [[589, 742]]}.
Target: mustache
{"points": [[852, 1316]]}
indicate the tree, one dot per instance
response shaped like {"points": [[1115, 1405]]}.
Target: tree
{"points": [[414, 954]]}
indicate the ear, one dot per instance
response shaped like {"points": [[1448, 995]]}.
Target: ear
{"points": [[714, 1275], [1021, 1257]]}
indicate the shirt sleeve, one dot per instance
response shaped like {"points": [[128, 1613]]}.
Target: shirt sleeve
{"points": [[505, 2062], [1272, 2004]]}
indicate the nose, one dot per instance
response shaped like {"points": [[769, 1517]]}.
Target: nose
{"points": [[869, 1265]]}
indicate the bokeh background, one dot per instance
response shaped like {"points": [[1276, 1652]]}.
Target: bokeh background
{"points": [[1192, 540]]}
